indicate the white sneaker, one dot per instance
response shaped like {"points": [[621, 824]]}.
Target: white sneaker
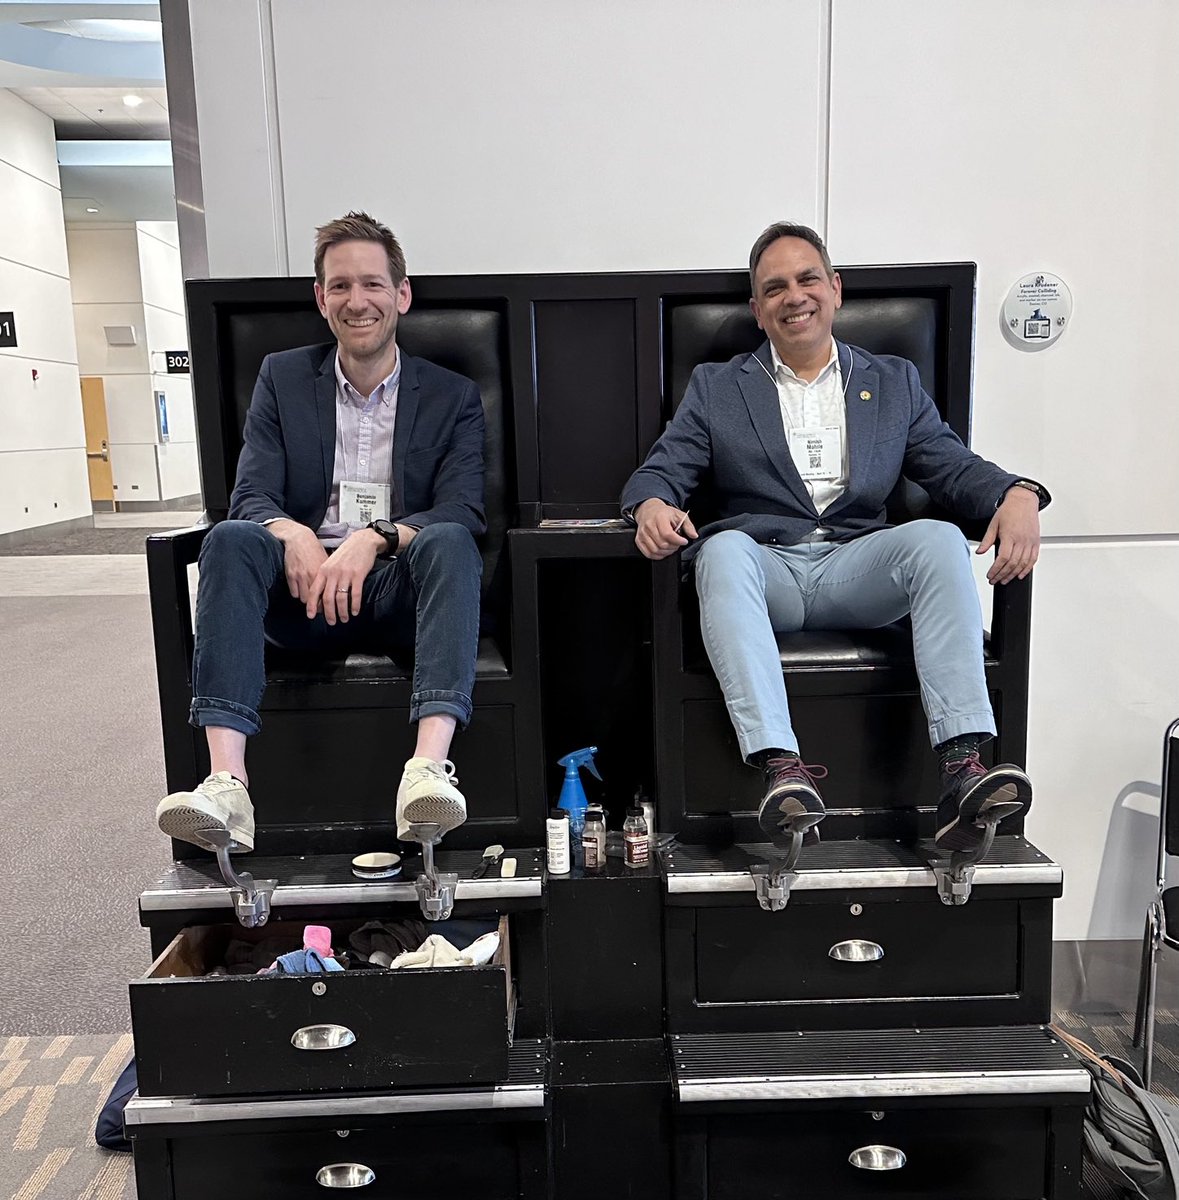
{"points": [[221, 802], [428, 794]]}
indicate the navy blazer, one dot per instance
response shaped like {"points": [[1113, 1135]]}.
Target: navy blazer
{"points": [[287, 461], [728, 432]]}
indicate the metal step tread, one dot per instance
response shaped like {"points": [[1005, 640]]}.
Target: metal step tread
{"points": [[524, 1088], [852, 864], [885, 1062], [328, 879]]}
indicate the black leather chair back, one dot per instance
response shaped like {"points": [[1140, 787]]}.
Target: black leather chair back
{"points": [[907, 326], [470, 340]]}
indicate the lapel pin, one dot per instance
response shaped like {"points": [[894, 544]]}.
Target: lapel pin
{"points": [[865, 395]]}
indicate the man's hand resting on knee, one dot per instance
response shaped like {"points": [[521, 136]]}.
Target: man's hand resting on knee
{"points": [[662, 528], [303, 555], [1016, 528]]}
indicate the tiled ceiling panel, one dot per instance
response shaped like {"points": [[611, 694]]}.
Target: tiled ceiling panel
{"points": [[84, 112]]}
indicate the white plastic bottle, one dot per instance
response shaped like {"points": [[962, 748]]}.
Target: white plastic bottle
{"points": [[557, 842]]}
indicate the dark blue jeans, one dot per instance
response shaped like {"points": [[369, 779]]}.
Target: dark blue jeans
{"points": [[427, 598]]}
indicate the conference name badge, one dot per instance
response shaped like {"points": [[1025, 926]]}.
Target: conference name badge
{"points": [[361, 503], [817, 452]]}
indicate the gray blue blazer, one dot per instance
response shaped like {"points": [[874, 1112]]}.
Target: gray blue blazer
{"points": [[287, 461], [728, 433]]}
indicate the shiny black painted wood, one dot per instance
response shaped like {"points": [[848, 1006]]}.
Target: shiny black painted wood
{"points": [[611, 1122], [605, 954], [1008, 1150], [451, 1156], [732, 967], [412, 1028]]}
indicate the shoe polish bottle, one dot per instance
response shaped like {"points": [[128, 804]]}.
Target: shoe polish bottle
{"points": [[593, 840], [557, 845], [634, 835]]}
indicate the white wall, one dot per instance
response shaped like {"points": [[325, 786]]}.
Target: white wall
{"points": [[1046, 137], [42, 441], [128, 274], [528, 135], [515, 136]]}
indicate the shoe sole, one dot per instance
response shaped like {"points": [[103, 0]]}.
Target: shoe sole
{"points": [[777, 812], [435, 810], [966, 831], [186, 824]]}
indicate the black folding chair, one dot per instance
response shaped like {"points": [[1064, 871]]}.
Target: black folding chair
{"points": [[1162, 915]]}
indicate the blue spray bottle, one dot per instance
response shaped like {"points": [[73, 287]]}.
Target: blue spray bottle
{"points": [[572, 793]]}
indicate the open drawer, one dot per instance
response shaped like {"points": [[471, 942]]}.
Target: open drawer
{"points": [[232, 1035]]}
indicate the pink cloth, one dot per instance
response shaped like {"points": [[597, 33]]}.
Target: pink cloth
{"points": [[318, 937]]}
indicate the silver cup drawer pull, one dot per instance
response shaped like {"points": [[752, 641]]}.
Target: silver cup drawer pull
{"points": [[877, 1158], [856, 950], [323, 1037], [345, 1175]]}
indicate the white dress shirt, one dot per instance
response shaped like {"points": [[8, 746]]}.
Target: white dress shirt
{"points": [[817, 404], [364, 444]]}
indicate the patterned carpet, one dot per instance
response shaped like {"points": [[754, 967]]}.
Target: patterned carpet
{"points": [[51, 1091]]}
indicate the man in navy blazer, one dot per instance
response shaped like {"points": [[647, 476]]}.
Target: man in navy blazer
{"points": [[801, 443], [352, 523]]}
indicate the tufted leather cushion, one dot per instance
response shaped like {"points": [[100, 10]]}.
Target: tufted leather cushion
{"points": [[715, 331]]}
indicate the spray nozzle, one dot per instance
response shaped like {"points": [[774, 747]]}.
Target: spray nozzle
{"points": [[577, 759]]}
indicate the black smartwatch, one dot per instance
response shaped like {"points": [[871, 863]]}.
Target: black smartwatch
{"points": [[390, 533]]}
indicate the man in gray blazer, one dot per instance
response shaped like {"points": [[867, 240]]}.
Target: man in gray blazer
{"points": [[351, 526], [802, 442]]}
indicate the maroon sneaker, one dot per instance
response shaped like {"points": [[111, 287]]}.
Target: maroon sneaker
{"points": [[972, 796]]}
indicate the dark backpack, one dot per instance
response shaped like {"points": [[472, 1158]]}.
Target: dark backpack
{"points": [[1131, 1135], [109, 1130]]}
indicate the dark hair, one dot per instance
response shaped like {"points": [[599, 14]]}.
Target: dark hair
{"points": [[359, 227], [783, 229]]}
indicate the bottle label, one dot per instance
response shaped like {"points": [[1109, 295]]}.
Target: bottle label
{"points": [[558, 848], [592, 855], [638, 850]]}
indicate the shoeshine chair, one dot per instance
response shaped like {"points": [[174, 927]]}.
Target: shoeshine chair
{"points": [[1162, 914], [853, 695], [325, 768]]}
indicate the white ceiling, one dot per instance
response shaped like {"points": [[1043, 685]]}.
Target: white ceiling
{"points": [[75, 62], [87, 112]]}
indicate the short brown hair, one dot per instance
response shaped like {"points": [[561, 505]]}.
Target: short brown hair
{"points": [[781, 229], [359, 227]]}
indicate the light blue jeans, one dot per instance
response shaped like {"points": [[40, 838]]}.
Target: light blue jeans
{"points": [[749, 591]]}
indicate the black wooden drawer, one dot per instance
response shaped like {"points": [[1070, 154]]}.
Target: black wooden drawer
{"points": [[976, 1114], [967, 1153], [823, 951], [197, 1035], [415, 1160], [863, 942]]}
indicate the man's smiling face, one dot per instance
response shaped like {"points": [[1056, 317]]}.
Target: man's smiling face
{"points": [[794, 301], [359, 298]]}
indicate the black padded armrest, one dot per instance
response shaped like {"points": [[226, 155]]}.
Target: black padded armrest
{"points": [[169, 556]]}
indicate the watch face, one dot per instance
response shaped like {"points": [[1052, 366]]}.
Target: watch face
{"points": [[390, 533]]}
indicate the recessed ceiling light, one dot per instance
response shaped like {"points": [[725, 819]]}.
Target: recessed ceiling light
{"points": [[132, 101]]}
